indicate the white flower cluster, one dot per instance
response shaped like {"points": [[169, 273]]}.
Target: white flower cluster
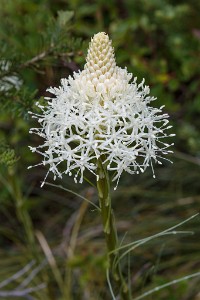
{"points": [[98, 113]]}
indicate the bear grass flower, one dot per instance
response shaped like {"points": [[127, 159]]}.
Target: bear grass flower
{"points": [[99, 120], [100, 113]]}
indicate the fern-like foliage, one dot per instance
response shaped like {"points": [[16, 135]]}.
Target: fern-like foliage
{"points": [[25, 57]]}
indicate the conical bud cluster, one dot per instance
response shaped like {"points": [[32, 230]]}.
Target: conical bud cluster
{"points": [[101, 75], [100, 59]]}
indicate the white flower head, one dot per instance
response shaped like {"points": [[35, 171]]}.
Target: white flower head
{"points": [[99, 114]]}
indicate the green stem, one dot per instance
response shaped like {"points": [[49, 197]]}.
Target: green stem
{"points": [[110, 232]]}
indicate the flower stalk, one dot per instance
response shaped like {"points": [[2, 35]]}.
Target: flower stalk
{"points": [[109, 228], [101, 121]]}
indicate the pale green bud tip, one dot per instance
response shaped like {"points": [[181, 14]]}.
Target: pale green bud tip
{"points": [[100, 58]]}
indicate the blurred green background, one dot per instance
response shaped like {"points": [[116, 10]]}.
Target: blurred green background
{"points": [[42, 41]]}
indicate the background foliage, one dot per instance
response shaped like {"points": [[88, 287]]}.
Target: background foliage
{"points": [[42, 41]]}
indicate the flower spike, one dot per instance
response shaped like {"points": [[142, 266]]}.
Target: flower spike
{"points": [[99, 113]]}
